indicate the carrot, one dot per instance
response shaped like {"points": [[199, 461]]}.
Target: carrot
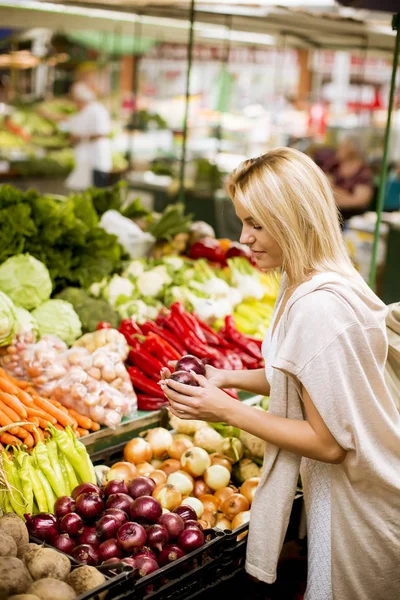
{"points": [[83, 431], [25, 398], [36, 412], [5, 420], [7, 386], [53, 411], [28, 440], [18, 382], [7, 438], [42, 422], [11, 414], [95, 426], [14, 403], [42, 434], [59, 427], [82, 421]]}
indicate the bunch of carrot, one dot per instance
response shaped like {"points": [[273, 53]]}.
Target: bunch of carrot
{"points": [[20, 402]]}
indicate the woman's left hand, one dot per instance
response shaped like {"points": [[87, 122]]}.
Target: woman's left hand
{"points": [[205, 402]]}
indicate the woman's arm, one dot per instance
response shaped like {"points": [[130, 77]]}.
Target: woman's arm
{"points": [[310, 438], [253, 381]]}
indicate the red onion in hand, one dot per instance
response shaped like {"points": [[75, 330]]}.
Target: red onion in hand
{"points": [[190, 363], [86, 554], [63, 506], [183, 377], [157, 537], [131, 536], [85, 487], [63, 542], [107, 527], [173, 523], [42, 525], [141, 486], [146, 508], [71, 524], [89, 505], [109, 549], [170, 553]]}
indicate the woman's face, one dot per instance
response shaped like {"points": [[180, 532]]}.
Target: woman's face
{"points": [[265, 250]]}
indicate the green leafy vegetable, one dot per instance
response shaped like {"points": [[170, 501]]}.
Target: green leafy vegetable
{"points": [[25, 280], [26, 322], [7, 320], [171, 222], [90, 310], [59, 318]]}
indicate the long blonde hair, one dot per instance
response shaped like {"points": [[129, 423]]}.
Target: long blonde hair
{"points": [[290, 197]]}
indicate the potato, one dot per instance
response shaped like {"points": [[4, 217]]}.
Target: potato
{"points": [[23, 597], [14, 577], [26, 550], [7, 545], [51, 589], [47, 562], [85, 578], [14, 526]]}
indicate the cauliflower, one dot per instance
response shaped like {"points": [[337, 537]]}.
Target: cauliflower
{"points": [[134, 269], [163, 272], [117, 289], [176, 263], [151, 283]]}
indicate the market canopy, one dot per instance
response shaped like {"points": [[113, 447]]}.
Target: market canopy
{"points": [[258, 23]]}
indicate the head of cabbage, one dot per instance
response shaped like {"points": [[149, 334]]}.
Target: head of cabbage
{"points": [[58, 317], [26, 323], [25, 280], [8, 320]]}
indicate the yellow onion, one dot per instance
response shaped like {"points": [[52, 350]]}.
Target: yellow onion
{"points": [[217, 477], [234, 505], [240, 519], [158, 476], [196, 504], [248, 488], [182, 481], [209, 502], [137, 451], [178, 447], [170, 466], [223, 522], [160, 440], [195, 461], [124, 471], [201, 488], [144, 469], [222, 494], [220, 459], [168, 496]]}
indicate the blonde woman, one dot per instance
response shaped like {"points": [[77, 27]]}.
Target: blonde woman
{"points": [[331, 416]]}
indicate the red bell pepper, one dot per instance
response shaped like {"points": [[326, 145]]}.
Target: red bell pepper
{"points": [[208, 248], [147, 363], [143, 383], [241, 340], [145, 402], [155, 345]]}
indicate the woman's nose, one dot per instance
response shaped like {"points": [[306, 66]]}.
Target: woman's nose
{"points": [[246, 237]]}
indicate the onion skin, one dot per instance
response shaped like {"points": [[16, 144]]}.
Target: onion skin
{"points": [[158, 476], [190, 363], [217, 477], [109, 549], [85, 487], [173, 523], [195, 523], [195, 504], [63, 542], [191, 539], [220, 459], [141, 486], [210, 517], [63, 506], [181, 481], [131, 537], [146, 552], [223, 522], [169, 554], [71, 524], [137, 451], [209, 502], [243, 517], [195, 461], [115, 486], [145, 509]]}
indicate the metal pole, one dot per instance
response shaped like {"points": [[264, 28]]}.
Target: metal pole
{"points": [[185, 119], [225, 62], [382, 183]]}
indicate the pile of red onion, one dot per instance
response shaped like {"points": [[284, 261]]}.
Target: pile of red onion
{"points": [[120, 523]]}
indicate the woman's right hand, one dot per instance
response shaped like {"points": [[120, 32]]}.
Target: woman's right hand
{"points": [[215, 376]]}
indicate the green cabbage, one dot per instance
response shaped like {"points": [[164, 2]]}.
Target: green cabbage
{"points": [[7, 320], [59, 318], [25, 280], [26, 322]]}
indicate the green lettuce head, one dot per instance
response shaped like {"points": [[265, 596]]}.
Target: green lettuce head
{"points": [[7, 320], [58, 317], [26, 322], [25, 280]]}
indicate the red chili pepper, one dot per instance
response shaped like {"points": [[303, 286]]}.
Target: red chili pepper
{"points": [[241, 340], [212, 336], [143, 383], [178, 309], [234, 359], [150, 402], [103, 325], [208, 248], [149, 364], [248, 361], [130, 329], [166, 335], [155, 345]]}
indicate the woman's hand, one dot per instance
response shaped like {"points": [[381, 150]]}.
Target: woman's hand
{"points": [[214, 376], [205, 402]]}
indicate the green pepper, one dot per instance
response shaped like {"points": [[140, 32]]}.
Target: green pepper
{"points": [[66, 446], [26, 483], [38, 490], [7, 504], [83, 453], [15, 495], [50, 497], [70, 474], [47, 457], [61, 460]]}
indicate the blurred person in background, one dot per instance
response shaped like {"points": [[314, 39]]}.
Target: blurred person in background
{"points": [[350, 177], [89, 131]]}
